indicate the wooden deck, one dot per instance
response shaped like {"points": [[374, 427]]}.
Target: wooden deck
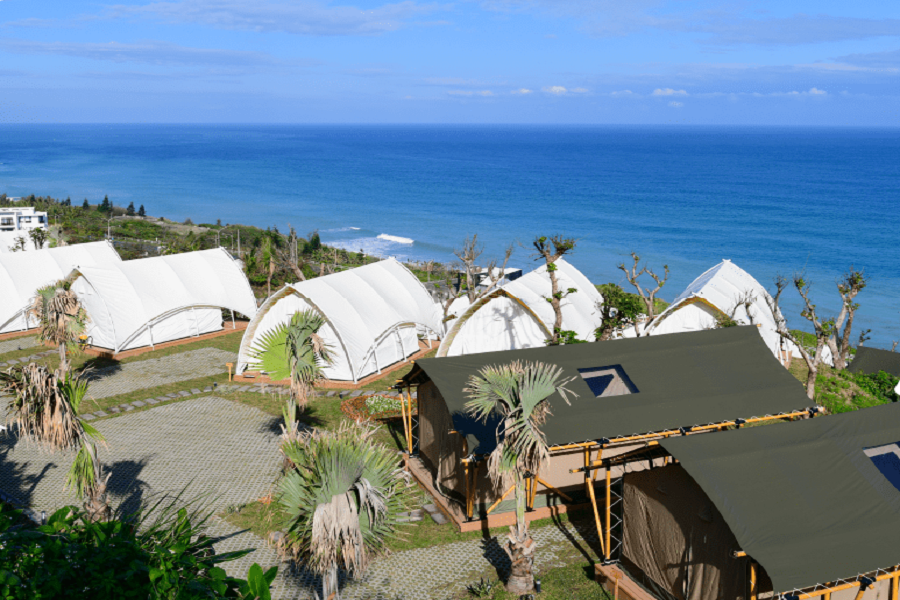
{"points": [[455, 513], [229, 328]]}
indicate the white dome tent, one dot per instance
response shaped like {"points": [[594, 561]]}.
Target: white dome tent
{"points": [[149, 301], [717, 292], [22, 274], [518, 315], [374, 315]]}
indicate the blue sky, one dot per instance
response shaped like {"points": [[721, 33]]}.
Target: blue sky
{"points": [[790, 62]]}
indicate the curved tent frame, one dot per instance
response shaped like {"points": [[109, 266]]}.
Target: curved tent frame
{"points": [[332, 295], [23, 273], [140, 294], [717, 289], [524, 292]]}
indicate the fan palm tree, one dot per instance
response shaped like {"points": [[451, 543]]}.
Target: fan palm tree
{"points": [[517, 392], [44, 407], [343, 498], [62, 318], [294, 350]]}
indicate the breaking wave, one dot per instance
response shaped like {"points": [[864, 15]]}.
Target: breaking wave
{"points": [[395, 238]]}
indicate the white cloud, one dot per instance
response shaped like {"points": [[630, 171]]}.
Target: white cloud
{"points": [[521, 91], [816, 92], [470, 93], [579, 90], [302, 17], [150, 52], [621, 93], [669, 92], [555, 89], [676, 104]]}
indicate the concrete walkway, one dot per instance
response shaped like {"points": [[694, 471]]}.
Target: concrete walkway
{"points": [[154, 372]]}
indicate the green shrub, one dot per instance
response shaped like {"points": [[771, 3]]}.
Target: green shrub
{"points": [[163, 557]]}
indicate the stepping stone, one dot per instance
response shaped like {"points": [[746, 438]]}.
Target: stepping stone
{"points": [[412, 516], [355, 394], [207, 389], [138, 403], [115, 409], [246, 388], [163, 399], [88, 417], [151, 401], [195, 391], [438, 517], [172, 394], [100, 413], [184, 394], [330, 394], [126, 407]]}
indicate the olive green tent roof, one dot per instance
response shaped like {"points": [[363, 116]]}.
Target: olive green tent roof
{"points": [[872, 360], [682, 380], [803, 499]]}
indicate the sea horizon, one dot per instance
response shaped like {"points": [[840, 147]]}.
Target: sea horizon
{"points": [[774, 199]]}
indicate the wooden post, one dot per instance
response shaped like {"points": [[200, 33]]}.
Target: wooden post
{"points": [[229, 365], [753, 583], [408, 416], [406, 427], [608, 507], [589, 484], [468, 490]]}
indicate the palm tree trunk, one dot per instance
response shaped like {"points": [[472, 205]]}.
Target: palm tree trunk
{"points": [[63, 366], [96, 503], [521, 548], [330, 588]]}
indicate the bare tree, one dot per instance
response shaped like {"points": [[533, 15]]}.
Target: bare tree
{"points": [[848, 287], [551, 250], [467, 255], [893, 346], [744, 300], [632, 274], [292, 258], [823, 329]]}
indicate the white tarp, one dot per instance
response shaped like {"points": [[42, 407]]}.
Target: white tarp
{"points": [[719, 290], [154, 300], [518, 315], [23, 273], [374, 315]]}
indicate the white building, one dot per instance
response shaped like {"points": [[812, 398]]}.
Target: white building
{"points": [[22, 218], [15, 224]]}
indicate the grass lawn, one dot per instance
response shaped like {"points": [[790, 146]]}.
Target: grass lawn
{"points": [[573, 582]]}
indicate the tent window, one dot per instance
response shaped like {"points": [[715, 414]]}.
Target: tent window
{"points": [[887, 459], [608, 381]]}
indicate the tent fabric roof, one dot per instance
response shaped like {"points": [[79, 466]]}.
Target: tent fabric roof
{"points": [[872, 360], [722, 286], [803, 499], [363, 305], [684, 379], [138, 292], [580, 313], [23, 273]]}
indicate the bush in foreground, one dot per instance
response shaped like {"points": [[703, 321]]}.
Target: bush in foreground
{"points": [[163, 557]]}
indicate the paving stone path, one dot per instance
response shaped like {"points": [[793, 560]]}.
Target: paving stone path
{"points": [[154, 372], [18, 344], [216, 447], [434, 573]]}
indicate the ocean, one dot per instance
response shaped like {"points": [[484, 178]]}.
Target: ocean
{"points": [[773, 200]]}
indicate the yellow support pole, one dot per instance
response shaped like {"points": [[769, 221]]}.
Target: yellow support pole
{"points": [[608, 507], [895, 587], [502, 498], [860, 593], [753, 582], [589, 484], [553, 489], [468, 489], [826, 596], [405, 425], [408, 416]]}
